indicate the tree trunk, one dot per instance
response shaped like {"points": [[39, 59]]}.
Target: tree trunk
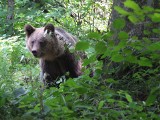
{"points": [[132, 30], [10, 17]]}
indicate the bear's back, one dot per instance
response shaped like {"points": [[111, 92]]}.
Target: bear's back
{"points": [[67, 37]]}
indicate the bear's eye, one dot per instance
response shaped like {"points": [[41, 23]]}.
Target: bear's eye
{"points": [[43, 43], [32, 42]]}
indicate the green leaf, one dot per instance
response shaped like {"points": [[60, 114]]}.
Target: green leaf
{"points": [[37, 108], [131, 4], [133, 19], [111, 80], [108, 35], [121, 10], [154, 46], [147, 32], [156, 30], [94, 35], [155, 17], [100, 105], [151, 99], [120, 46], [128, 97], [145, 62], [83, 45], [153, 95], [117, 57], [81, 90], [123, 35], [89, 60], [147, 9], [100, 47], [131, 58], [71, 83], [119, 23]]}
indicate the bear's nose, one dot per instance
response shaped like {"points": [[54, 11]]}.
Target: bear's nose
{"points": [[34, 52]]}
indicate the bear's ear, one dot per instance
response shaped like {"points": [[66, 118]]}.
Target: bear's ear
{"points": [[49, 28], [29, 30]]}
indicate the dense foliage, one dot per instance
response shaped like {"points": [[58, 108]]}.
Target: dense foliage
{"points": [[126, 82]]}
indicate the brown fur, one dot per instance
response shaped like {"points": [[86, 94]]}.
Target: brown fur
{"points": [[48, 44]]}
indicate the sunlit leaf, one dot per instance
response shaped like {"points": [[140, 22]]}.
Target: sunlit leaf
{"points": [[83, 45], [100, 105], [133, 19], [148, 9], [131, 4], [155, 17], [121, 10], [128, 97]]}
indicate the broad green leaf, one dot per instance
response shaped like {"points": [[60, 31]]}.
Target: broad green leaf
{"points": [[133, 19], [71, 83], [108, 35], [117, 58], [100, 47], [94, 35], [89, 60], [120, 45], [133, 5], [155, 17], [147, 32], [106, 53], [123, 35], [128, 97], [156, 30], [81, 90], [82, 45], [145, 62], [119, 23], [154, 46], [121, 10], [147, 9], [100, 105], [131, 59]]}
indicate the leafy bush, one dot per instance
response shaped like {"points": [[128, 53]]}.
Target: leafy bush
{"points": [[126, 77]]}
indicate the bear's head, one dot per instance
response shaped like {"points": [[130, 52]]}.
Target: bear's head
{"points": [[42, 42]]}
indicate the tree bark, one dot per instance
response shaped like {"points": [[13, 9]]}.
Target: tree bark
{"points": [[132, 30], [10, 17]]}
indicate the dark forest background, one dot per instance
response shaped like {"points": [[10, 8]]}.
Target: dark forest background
{"points": [[121, 39]]}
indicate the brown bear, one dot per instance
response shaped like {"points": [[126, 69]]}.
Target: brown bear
{"points": [[51, 44]]}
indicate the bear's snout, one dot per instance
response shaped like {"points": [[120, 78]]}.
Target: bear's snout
{"points": [[35, 53]]}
